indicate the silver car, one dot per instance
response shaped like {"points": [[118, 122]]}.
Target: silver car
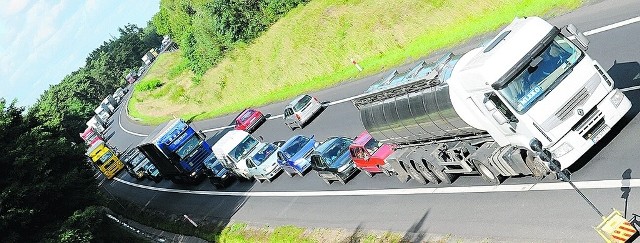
{"points": [[300, 110]]}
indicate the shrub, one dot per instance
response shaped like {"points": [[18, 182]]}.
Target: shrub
{"points": [[148, 85]]}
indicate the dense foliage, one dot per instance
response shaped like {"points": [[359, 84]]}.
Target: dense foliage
{"points": [[47, 187], [207, 29]]}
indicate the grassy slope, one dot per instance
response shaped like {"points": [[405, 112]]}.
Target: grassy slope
{"points": [[312, 47]]}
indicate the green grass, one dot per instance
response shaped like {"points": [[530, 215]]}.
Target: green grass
{"points": [[312, 46]]}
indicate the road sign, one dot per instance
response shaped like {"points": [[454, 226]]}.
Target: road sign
{"points": [[615, 228]]}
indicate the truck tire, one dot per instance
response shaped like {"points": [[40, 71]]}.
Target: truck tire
{"points": [[444, 177], [426, 172], [538, 170], [487, 174], [415, 174]]}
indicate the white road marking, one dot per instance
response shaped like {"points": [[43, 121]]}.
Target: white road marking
{"points": [[630, 88], [125, 130], [547, 186], [586, 33], [612, 26]]}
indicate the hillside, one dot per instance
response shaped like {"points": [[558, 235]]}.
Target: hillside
{"points": [[312, 47]]}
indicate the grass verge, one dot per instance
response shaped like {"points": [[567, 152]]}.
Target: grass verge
{"points": [[312, 47]]}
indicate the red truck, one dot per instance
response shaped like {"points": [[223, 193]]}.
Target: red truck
{"points": [[369, 155]]}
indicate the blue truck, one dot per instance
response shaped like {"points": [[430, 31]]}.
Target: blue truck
{"points": [[179, 152]]}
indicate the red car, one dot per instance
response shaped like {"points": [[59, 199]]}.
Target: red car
{"points": [[249, 120], [369, 155]]}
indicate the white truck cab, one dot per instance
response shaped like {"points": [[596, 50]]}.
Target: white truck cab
{"points": [[533, 85]]}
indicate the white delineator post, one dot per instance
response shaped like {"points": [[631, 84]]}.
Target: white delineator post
{"points": [[356, 64], [190, 221]]}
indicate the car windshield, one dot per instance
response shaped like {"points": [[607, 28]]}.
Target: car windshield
{"points": [[334, 149], [527, 87], [372, 145], [302, 103], [213, 165], [243, 148], [105, 157], [264, 153], [295, 146], [188, 147]]}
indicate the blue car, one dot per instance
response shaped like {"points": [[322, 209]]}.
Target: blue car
{"points": [[293, 155], [332, 160]]}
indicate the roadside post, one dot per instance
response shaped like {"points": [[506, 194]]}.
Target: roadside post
{"points": [[190, 221], [614, 227], [356, 64]]}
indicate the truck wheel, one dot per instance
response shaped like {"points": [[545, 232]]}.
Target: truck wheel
{"points": [[538, 169], [426, 172], [486, 173], [415, 174], [444, 177]]}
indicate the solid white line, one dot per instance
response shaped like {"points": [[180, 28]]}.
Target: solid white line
{"points": [[547, 186], [630, 88], [612, 26], [120, 123]]}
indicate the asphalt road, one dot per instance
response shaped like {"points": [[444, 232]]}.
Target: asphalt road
{"points": [[520, 210]]}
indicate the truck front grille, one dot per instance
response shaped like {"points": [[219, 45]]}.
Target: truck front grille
{"points": [[567, 110]]}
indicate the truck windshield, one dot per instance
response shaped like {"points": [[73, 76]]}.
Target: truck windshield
{"points": [[188, 147], [264, 153], [532, 83], [243, 148], [105, 157]]}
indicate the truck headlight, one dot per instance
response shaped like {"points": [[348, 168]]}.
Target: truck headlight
{"points": [[563, 149], [617, 98]]}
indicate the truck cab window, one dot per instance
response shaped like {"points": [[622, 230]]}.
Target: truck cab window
{"points": [[502, 108]]}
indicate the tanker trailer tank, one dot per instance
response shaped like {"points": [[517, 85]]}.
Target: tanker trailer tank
{"points": [[414, 107]]}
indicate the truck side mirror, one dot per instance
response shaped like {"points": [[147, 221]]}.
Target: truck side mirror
{"points": [[582, 40]]}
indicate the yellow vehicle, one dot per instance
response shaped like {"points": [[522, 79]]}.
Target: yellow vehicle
{"points": [[105, 159]]}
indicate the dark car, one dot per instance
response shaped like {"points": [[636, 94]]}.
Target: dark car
{"points": [[134, 163], [294, 154], [219, 176], [332, 160], [249, 120], [152, 172]]}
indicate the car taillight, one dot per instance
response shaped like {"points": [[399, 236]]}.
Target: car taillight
{"points": [[315, 98], [297, 116]]}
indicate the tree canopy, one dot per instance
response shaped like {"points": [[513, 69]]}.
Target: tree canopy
{"points": [[42, 155]]}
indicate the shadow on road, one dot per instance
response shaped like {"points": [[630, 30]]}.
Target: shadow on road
{"points": [[413, 234], [626, 175], [625, 75]]}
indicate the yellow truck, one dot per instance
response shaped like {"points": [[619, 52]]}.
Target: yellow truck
{"points": [[105, 159]]}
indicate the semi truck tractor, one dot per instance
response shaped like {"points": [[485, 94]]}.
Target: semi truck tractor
{"points": [[90, 136], [105, 158], [528, 98], [177, 151]]}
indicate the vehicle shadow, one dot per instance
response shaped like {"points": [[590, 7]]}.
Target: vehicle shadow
{"points": [[413, 234], [625, 75]]}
